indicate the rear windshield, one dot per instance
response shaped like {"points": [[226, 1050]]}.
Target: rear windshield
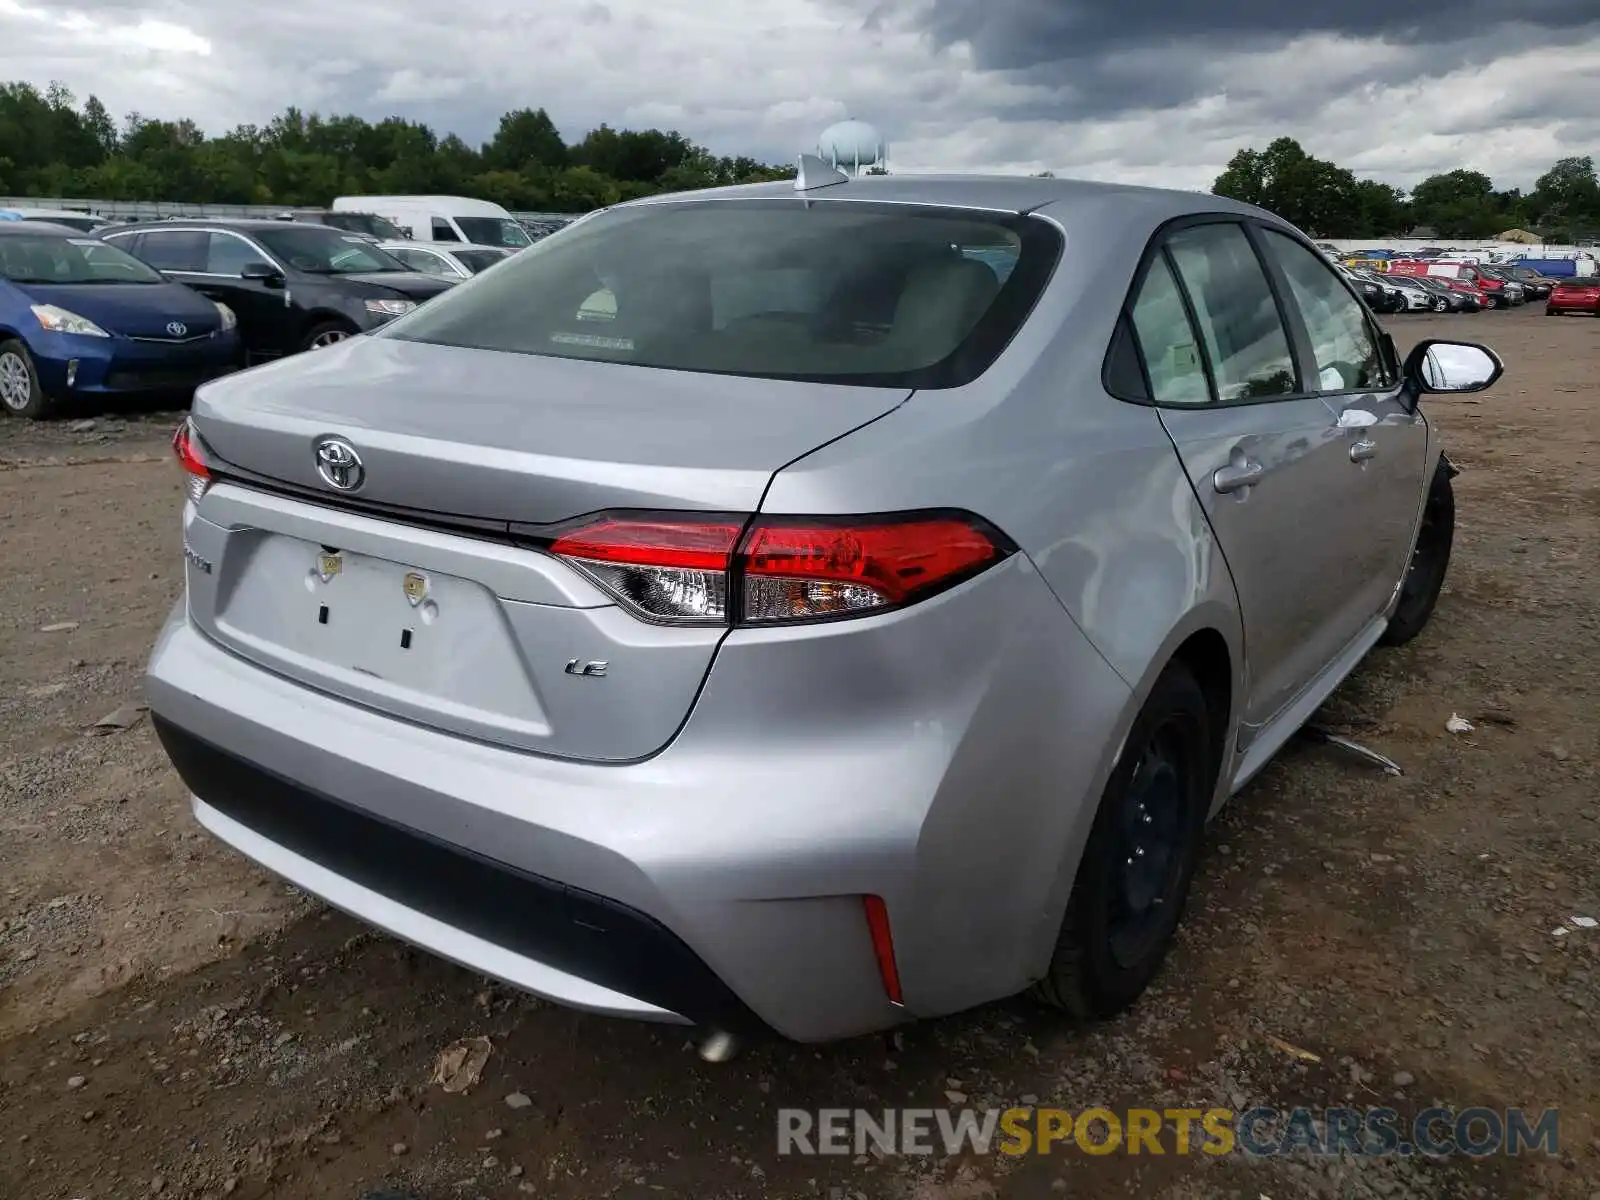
{"points": [[369, 223], [494, 231], [477, 260], [323, 250], [70, 260], [843, 292]]}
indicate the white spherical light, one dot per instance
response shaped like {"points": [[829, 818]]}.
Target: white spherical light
{"points": [[852, 146]]}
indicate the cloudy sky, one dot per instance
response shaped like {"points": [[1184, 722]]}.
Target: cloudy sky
{"points": [[1154, 91]]}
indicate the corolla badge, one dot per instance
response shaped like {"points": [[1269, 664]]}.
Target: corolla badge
{"points": [[177, 328], [339, 464]]}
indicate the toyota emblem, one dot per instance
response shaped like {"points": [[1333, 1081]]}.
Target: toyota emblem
{"points": [[339, 464], [177, 328]]}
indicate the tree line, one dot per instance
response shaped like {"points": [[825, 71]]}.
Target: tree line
{"points": [[50, 145], [1327, 200]]}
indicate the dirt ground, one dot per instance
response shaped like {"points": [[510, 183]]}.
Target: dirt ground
{"points": [[174, 1022]]}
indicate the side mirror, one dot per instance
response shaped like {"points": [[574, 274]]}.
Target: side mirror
{"points": [[1449, 368], [265, 272]]}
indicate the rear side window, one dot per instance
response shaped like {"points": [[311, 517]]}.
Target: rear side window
{"points": [[877, 295], [174, 250], [1166, 340], [443, 231], [1240, 325]]}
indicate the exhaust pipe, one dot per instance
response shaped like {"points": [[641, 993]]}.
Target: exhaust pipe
{"points": [[718, 1046]]}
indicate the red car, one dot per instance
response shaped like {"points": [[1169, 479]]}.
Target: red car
{"points": [[1574, 295]]}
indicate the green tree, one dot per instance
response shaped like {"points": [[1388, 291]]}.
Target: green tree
{"points": [[1315, 195], [1382, 210], [525, 137], [1459, 204], [50, 146], [1565, 201]]}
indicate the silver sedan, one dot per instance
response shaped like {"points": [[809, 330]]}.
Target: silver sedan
{"points": [[804, 606]]}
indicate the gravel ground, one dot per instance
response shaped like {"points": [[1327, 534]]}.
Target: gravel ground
{"points": [[174, 1023]]}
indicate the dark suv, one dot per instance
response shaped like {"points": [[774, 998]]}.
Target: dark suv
{"points": [[379, 229], [293, 286]]}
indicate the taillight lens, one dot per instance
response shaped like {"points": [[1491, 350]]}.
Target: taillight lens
{"points": [[803, 570], [186, 446], [664, 569], [680, 569]]}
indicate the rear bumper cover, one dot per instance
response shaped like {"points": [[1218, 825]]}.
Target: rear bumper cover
{"points": [[944, 758], [547, 936]]}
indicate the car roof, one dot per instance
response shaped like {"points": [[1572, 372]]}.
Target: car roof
{"points": [[243, 224], [997, 193], [37, 229], [444, 247], [32, 213]]}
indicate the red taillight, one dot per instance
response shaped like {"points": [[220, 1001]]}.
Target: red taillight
{"points": [[883, 946], [186, 448], [801, 570], [683, 569]]}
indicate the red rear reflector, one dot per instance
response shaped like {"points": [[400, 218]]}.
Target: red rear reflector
{"points": [[799, 569], [883, 946]]}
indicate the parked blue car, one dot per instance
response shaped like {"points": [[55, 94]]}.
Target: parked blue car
{"points": [[81, 319]]}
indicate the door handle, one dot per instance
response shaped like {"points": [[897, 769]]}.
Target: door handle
{"points": [[1235, 476], [1364, 449]]}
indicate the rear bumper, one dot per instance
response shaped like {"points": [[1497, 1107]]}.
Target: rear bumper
{"points": [[535, 932], [721, 881]]}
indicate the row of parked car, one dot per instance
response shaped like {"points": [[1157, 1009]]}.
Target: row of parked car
{"points": [[1444, 283], [167, 305], [1423, 286]]}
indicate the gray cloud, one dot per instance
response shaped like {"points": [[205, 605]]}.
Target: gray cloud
{"points": [[1028, 33], [1165, 95]]}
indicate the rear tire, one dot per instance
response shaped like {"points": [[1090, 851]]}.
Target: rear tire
{"points": [[20, 392], [326, 333], [1430, 562], [1441, 305], [1134, 876]]}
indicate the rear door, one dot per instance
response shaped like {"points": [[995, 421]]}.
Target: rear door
{"points": [[1263, 450], [174, 252]]}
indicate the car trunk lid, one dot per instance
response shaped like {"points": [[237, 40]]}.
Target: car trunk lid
{"points": [[459, 628]]}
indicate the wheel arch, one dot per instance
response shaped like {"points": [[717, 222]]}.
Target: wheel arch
{"points": [[1209, 642], [322, 315]]}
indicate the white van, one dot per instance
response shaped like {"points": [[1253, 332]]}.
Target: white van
{"points": [[443, 218]]}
